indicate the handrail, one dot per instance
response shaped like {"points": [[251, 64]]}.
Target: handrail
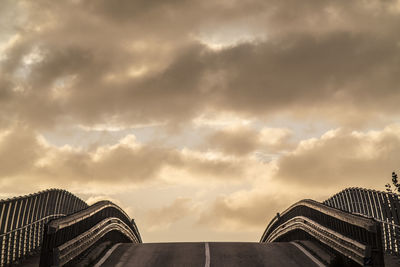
{"points": [[346, 217], [384, 207], [33, 223], [69, 238], [80, 216], [350, 235], [74, 247], [352, 249]]}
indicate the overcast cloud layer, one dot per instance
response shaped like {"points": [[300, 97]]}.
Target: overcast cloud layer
{"points": [[199, 117]]}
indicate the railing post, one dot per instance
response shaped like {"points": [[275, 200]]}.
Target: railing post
{"points": [[10, 227], [26, 222], [353, 200], [16, 219], [32, 227], [3, 215], [20, 224]]}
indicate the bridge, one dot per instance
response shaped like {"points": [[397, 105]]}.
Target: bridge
{"points": [[356, 227]]}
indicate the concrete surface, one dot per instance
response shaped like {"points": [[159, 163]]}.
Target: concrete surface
{"points": [[211, 254]]}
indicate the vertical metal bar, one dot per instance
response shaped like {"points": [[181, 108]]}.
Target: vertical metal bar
{"points": [[382, 205], [74, 204], [339, 206], [3, 229], [393, 219], [360, 201], [332, 202], [397, 241], [34, 219], [372, 204], [362, 204], [346, 200], [335, 203], [367, 202], [45, 207], [62, 206], [363, 201], [343, 201], [68, 203], [52, 200], [339, 201], [46, 196], [353, 200], [28, 227], [397, 229], [16, 220], [386, 215], [327, 202], [3, 206], [58, 205], [385, 205], [34, 225], [350, 199], [20, 252], [378, 206], [31, 220], [1, 237], [395, 208], [55, 199], [39, 215], [9, 245]]}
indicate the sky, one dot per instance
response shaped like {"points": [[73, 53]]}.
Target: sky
{"points": [[201, 119]]}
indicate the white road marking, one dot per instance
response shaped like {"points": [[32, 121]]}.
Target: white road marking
{"points": [[207, 248], [105, 257], [308, 254]]}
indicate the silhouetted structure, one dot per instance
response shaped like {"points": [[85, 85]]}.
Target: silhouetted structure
{"points": [[22, 221], [348, 235], [382, 206], [356, 223], [60, 225], [70, 238], [356, 226]]}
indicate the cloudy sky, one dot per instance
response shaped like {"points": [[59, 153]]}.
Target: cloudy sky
{"points": [[202, 119]]}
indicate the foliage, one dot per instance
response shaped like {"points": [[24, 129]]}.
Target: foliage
{"points": [[395, 182]]}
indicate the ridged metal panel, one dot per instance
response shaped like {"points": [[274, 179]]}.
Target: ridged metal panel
{"points": [[350, 235], [68, 237], [382, 206], [23, 219]]}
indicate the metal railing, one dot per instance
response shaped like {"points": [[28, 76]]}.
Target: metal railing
{"points": [[350, 235], [66, 240], [382, 206], [22, 221]]}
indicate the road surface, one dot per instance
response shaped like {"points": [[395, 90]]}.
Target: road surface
{"points": [[212, 254]]}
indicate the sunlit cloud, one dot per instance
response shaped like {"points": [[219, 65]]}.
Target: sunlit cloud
{"points": [[211, 114]]}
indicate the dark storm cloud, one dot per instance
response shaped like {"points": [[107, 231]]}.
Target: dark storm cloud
{"points": [[320, 60], [241, 141], [237, 142]]}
